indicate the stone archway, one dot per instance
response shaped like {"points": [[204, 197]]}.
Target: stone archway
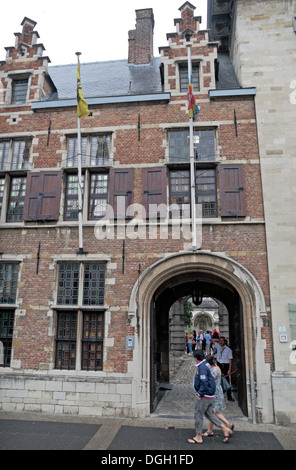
{"points": [[224, 271]]}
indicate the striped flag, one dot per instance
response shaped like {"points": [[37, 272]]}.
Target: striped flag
{"points": [[192, 106]]}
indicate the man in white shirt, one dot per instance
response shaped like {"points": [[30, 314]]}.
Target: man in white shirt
{"points": [[224, 361]]}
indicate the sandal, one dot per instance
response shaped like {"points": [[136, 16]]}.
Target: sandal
{"points": [[208, 434], [227, 437], [195, 441]]}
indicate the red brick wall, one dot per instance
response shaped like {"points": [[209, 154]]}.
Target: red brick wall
{"points": [[245, 244]]}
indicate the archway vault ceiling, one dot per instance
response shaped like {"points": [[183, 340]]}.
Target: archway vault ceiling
{"points": [[181, 286]]}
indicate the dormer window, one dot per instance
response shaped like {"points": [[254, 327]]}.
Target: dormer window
{"points": [[184, 77], [19, 91]]}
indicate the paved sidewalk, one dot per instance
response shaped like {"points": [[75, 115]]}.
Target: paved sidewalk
{"points": [[165, 430], [29, 431]]}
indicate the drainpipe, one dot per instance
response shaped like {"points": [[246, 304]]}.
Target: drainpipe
{"points": [[252, 385]]}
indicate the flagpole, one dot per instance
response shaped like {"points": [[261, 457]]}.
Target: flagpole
{"points": [[80, 203], [192, 165]]}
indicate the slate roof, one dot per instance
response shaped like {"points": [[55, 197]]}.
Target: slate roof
{"points": [[110, 78], [119, 78]]}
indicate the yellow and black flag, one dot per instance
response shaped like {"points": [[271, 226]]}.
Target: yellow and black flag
{"points": [[82, 108]]}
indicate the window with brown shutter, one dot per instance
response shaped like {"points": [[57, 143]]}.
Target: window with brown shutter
{"points": [[154, 190], [121, 186], [232, 191], [42, 201]]}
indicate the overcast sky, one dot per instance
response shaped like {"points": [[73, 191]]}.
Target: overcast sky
{"points": [[96, 28]]}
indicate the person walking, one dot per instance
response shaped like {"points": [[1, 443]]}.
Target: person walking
{"points": [[205, 387], [224, 361], [199, 340], [215, 340], [219, 402], [208, 342], [193, 340], [189, 342]]}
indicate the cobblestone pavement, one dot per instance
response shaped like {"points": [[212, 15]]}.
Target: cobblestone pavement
{"points": [[179, 402]]}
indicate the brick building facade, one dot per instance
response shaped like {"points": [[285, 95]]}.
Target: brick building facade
{"points": [[87, 333]]}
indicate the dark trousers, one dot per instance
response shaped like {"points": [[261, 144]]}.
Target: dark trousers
{"points": [[224, 369]]}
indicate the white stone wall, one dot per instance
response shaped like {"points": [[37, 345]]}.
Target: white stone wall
{"points": [[66, 394], [264, 56]]}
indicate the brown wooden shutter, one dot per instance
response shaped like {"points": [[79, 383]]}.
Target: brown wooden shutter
{"points": [[31, 197], [232, 191], [43, 193], [121, 183], [154, 190]]}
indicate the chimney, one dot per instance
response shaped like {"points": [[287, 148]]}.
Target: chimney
{"points": [[141, 38], [131, 46]]}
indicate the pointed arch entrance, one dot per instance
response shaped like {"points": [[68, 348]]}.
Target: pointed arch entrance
{"points": [[211, 286], [219, 277]]}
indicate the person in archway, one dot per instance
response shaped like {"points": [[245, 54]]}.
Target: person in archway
{"points": [[215, 340], [224, 361], [205, 387], [208, 342], [199, 340], [189, 342], [219, 403], [193, 340]]}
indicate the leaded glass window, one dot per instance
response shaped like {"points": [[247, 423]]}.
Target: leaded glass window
{"points": [[96, 151], [73, 152], [80, 330], [179, 146], [14, 155], [19, 91], [98, 195], [16, 199], [8, 282], [94, 284], [71, 203], [81, 284], [205, 192], [66, 340], [6, 333], [2, 186], [92, 341], [4, 153], [20, 154], [184, 78], [68, 284], [100, 150], [180, 193]]}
